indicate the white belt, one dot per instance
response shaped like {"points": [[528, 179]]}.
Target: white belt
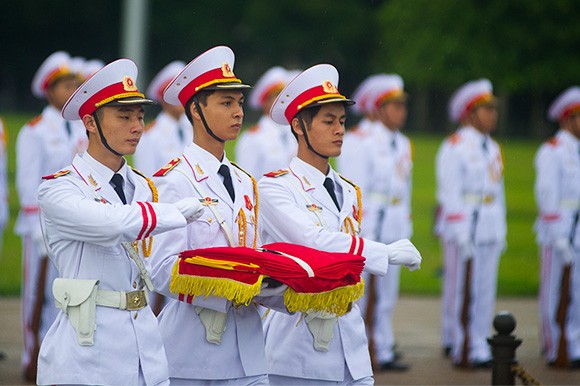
{"points": [[476, 198], [570, 203], [133, 300], [384, 198]]}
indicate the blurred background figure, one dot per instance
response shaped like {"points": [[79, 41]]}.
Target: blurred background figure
{"points": [[45, 144], [267, 145], [470, 187], [4, 207], [383, 172], [352, 150], [166, 136], [557, 190]]}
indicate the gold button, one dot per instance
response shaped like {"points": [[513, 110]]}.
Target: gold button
{"points": [[134, 284], [135, 315], [209, 219]]}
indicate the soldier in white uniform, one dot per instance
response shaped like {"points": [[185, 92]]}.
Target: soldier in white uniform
{"points": [[209, 340], [383, 172], [45, 144], [99, 220], [557, 192], [170, 132], [470, 188], [310, 204], [352, 150], [267, 145]]}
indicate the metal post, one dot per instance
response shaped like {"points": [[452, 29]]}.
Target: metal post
{"points": [[503, 348]]}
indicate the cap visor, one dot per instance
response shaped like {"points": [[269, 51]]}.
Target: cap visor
{"points": [[347, 102], [131, 101], [227, 86]]}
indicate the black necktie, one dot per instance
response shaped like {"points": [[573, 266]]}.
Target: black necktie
{"points": [[329, 185], [117, 182], [180, 134], [224, 171], [67, 127], [484, 145]]}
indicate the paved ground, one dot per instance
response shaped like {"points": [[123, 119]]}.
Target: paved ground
{"points": [[417, 332]]}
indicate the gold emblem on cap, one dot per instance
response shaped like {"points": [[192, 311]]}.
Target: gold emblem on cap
{"points": [[129, 84], [227, 71], [329, 88]]}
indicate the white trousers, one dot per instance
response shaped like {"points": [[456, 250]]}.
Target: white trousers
{"points": [[280, 380], [386, 291], [258, 380], [31, 262], [448, 293], [550, 289], [483, 288]]}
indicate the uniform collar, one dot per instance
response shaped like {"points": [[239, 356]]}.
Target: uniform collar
{"points": [[472, 132], [567, 137], [309, 176], [50, 112], [205, 158], [104, 172]]}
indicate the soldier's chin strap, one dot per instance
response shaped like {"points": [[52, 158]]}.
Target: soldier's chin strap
{"points": [[103, 139], [303, 127], [202, 117]]}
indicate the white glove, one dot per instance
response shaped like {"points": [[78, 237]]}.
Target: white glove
{"points": [[465, 247], [564, 249], [403, 252], [190, 208]]}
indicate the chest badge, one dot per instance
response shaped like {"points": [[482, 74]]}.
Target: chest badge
{"points": [[314, 208], [249, 204], [208, 201]]}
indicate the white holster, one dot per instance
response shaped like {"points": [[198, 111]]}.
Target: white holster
{"points": [[78, 300], [321, 326], [214, 323]]}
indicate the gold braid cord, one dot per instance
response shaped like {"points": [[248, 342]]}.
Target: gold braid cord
{"points": [[525, 377], [144, 245], [255, 187], [358, 202], [243, 226]]}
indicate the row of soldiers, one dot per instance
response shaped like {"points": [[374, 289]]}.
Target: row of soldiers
{"points": [[376, 156]]}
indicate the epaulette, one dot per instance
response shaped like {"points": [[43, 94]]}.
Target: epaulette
{"points": [[165, 169], [253, 129], [150, 125], [454, 138], [276, 173], [554, 141], [245, 172], [56, 175], [35, 120]]}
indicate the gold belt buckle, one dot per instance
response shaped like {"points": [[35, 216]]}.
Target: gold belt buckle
{"points": [[488, 198], [136, 300], [395, 200]]}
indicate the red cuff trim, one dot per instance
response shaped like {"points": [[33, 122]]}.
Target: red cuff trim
{"points": [[361, 246], [352, 245], [455, 217], [153, 219], [551, 217], [145, 220]]}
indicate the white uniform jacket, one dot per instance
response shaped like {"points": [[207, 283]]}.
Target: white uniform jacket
{"points": [[265, 147], [470, 180], [164, 139], [287, 216], [384, 175], [43, 146], [557, 188], [348, 164], [85, 226], [191, 356]]}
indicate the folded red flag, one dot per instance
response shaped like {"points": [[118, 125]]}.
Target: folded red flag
{"points": [[317, 280]]}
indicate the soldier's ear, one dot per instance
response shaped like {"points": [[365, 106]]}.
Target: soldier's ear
{"points": [[90, 124], [296, 127]]}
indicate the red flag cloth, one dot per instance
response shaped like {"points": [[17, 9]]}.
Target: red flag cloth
{"points": [[317, 280]]}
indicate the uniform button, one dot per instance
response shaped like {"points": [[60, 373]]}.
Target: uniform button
{"points": [[135, 315], [209, 220], [134, 284]]}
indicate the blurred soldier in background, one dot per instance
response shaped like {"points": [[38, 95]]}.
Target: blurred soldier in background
{"points": [[170, 132], [557, 191], [352, 150], [383, 172], [45, 144], [470, 187], [4, 208], [266, 146]]}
